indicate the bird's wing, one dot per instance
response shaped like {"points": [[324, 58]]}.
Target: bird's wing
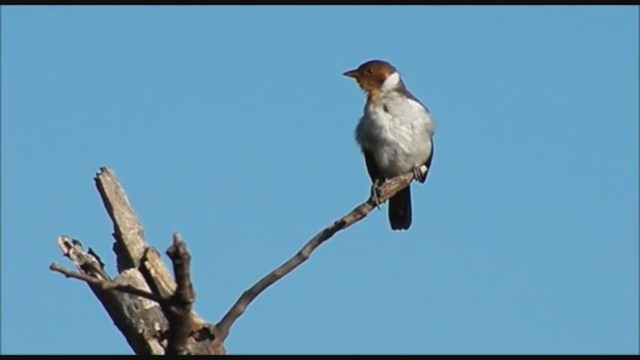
{"points": [[372, 168], [408, 94], [428, 162]]}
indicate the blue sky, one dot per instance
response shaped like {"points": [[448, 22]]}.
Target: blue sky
{"points": [[234, 126]]}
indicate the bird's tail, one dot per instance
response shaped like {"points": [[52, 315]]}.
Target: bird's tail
{"points": [[400, 210]]}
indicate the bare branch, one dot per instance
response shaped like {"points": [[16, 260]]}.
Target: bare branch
{"points": [[105, 284], [130, 245], [139, 319], [386, 191], [154, 312], [128, 233], [162, 326], [148, 307], [179, 315]]}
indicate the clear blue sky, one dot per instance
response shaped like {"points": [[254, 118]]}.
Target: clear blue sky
{"points": [[234, 126]]}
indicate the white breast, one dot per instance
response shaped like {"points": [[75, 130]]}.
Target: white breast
{"points": [[397, 131]]}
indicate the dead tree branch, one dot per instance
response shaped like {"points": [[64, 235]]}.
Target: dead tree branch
{"points": [[153, 311], [140, 320], [179, 314], [104, 284], [386, 191]]}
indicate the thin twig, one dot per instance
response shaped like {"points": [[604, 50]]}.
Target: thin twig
{"points": [[106, 285], [385, 192]]}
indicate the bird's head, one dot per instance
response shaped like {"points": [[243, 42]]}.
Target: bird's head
{"points": [[376, 77]]}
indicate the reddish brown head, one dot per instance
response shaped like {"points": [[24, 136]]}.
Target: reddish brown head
{"points": [[372, 75]]}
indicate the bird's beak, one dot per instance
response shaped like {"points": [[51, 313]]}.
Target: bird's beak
{"points": [[351, 73]]}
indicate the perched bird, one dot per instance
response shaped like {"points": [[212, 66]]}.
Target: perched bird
{"points": [[395, 133]]}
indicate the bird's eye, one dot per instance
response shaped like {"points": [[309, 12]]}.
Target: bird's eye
{"points": [[370, 70]]}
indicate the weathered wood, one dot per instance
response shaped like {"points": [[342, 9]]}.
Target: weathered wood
{"points": [[153, 312], [179, 315], [142, 298], [140, 320], [128, 232]]}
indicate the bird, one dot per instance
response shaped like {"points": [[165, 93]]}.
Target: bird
{"points": [[395, 134]]}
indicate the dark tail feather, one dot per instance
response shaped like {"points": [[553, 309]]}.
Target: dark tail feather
{"points": [[400, 210]]}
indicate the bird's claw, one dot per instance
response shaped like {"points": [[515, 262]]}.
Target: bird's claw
{"points": [[418, 174], [375, 188]]}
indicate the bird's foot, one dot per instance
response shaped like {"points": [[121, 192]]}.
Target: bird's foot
{"points": [[375, 190], [418, 174]]}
